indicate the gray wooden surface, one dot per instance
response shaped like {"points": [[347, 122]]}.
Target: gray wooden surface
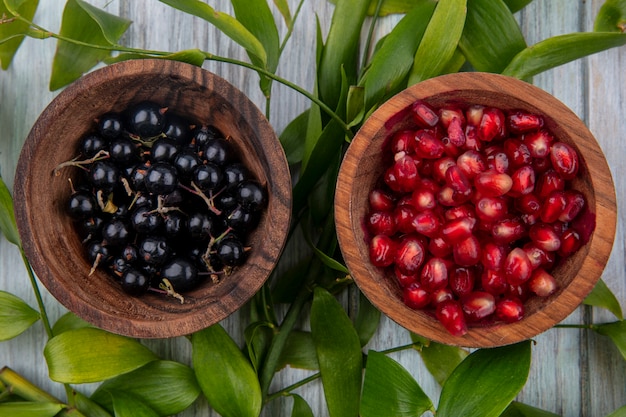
{"points": [[574, 373]]}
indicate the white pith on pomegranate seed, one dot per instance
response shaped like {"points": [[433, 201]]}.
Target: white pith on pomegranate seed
{"points": [[475, 211]]}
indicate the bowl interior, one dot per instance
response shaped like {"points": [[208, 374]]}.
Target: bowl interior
{"points": [[48, 234], [363, 166]]}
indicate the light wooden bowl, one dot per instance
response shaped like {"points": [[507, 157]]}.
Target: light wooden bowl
{"points": [[54, 248], [362, 167]]}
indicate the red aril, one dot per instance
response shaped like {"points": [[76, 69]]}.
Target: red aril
{"points": [[541, 283], [528, 204], [450, 315], [456, 230], [426, 222], [467, 252], [492, 125], [478, 305], [382, 250], [441, 295], [523, 181], [415, 296], [440, 167], [553, 207], [434, 274], [427, 145], [517, 152], [570, 243], [493, 256], [424, 115], [520, 121], [471, 163], [405, 279], [381, 200], [405, 174], [509, 309], [491, 209], [507, 231], [498, 161], [517, 267], [402, 141], [574, 203], [403, 216], [494, 282], [544, 237], [381, 223], [564, 160], [492, 183], [410, 255], [462, 280], [538, 143], [439, 247], [548, 182], [423, 199]]}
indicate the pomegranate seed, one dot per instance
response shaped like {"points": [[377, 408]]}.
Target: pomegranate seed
{"points": [[548, 182], [456, 179], [528, 204], [520, 292], [456, 132], [494, 282], [449, 197], [537, 256], [471, 163], [448, 113], [564, 160], [410, 255], [523, 181], [471, 139], [449, 149], [517, 267], [441, 166], [575, 202], [492, 125], [553, 207], [441, 295], [493, 256], [381, 223], [538, 143], [401, 141], [424, 115], [434, 274], [461, 280], [509, 310], [405, 174], [544, 237], [427, 145], [423, 199], [492, 183], [405, 279], [520, 121], [570, 243], [457, 230], [474, 115], [542, 283], [403, 216], [416, 297], [517, 152], [467, 252], [478, 305], [380, 200], [458, 212], [429, 184], [499, 162], [426, 223], [541, 165], [491, 209], [438, 247], [382, 250], [450, 315], [508, 231]]}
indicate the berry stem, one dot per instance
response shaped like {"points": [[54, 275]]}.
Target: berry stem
{"points": [[81, 163]]}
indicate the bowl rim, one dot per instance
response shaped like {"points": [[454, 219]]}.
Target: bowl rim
{"points": [[154, 325], [350, 234]]}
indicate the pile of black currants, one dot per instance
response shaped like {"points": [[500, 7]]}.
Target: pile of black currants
{"points": [[163, 203]]}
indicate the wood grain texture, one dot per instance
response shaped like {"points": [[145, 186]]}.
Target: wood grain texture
{"points": [[574, 373]]}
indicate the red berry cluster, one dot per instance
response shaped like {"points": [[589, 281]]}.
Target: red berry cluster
{"points": [[473, 211]]}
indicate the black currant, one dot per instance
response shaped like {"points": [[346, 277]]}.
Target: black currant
{"points": [[250, 194], [91, 144], [144, 220], [185, 162], [181, 273], [154, 250], [137, 177], [82, 204], [97, 252], [134, 281], [242, 220], [177, 128], [161, 178], [175, 224], [146, 119], [104, 175], [201, 226], [208, 176], [230, 251], [219, 151], [122, 150], [234, 174], [116, 232], [202, 134], [163, 149], [110, 125]]}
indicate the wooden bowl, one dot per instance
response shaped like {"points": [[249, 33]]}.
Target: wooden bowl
{"points": [[362, 168], [48, 235]]}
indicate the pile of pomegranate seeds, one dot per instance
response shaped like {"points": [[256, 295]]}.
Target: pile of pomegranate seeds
{"points": [[473, 211]]}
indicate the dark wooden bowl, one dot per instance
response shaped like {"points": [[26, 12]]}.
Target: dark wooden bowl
{"points": [[54, 248], [363, 166]]}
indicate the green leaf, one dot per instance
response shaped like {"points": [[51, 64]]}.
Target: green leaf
{"points": [[257, 17], [602, 296], [125, 405], [517, 5], [441, 360], [517, 409], [166, 387], [440, 40], [560, 50], [486, 382], [283, 8], [88, 24], [330, 262], [190, 56], [299, 352], [293, 137], [225, 376], [88, 407], [617, 332], [491, 37], [393, 6], [8, 227], [341, 49], [620, 412], [389, 390], [30, 409], [338, 353], [91, 355], [68, 321], [383, 80], [611, 17], [15, 316], [300, 407], [367, 320], [258, 337], [14, 31], [227, 24]]}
